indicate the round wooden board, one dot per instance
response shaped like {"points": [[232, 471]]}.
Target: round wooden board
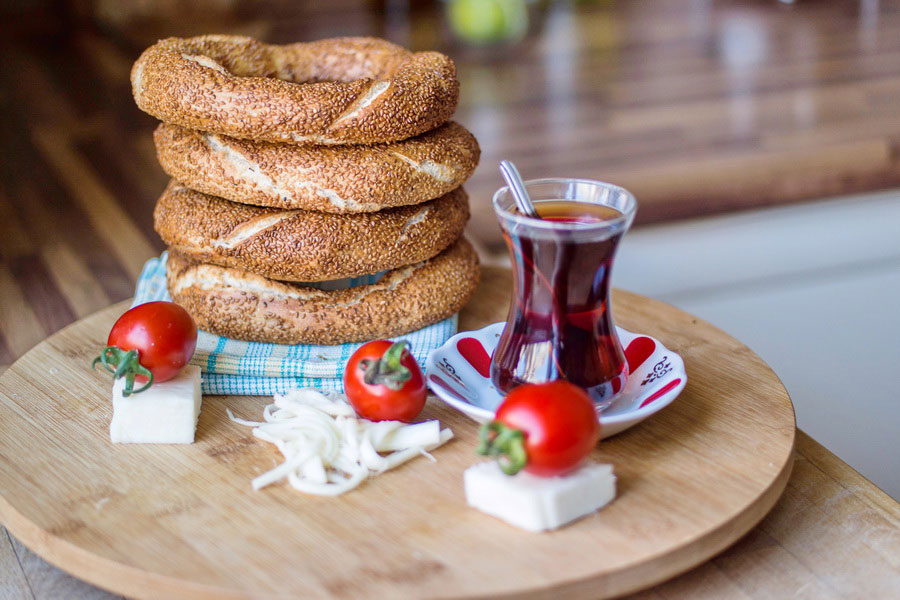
{"points": [[182, 522]]}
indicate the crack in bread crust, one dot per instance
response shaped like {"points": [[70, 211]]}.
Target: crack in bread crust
{"points": [[372, 94], [211, 278], [239, 166], [204, 61], [429, 167], [251, 228], [244, 168]]}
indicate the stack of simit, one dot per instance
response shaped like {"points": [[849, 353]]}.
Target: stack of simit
{"points": [[316, 191]]}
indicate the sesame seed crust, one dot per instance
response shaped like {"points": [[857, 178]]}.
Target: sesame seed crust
{"points": [[244, 306], [334, 91], [337, 179], [300, 245]]}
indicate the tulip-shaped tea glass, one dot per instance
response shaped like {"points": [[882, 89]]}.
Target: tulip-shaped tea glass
{"points": [[560, 323]]}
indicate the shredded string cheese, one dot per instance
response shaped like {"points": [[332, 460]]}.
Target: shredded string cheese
{"points": [[328, 449]]}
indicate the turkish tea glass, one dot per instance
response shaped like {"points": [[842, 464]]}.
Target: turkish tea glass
{"points": [[560, 323]]}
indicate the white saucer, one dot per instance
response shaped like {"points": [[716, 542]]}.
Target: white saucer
{"points": [[459, 374]]}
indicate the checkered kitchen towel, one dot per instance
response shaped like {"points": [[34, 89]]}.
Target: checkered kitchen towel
{"points": [[253, 368]]}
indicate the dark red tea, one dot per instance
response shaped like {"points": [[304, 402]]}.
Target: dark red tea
{"points": [[560, 326]]}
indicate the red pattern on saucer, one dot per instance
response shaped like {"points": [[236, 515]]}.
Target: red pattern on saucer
{"points": [[475, 354]]}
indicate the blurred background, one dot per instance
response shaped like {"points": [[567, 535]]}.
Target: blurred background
{"points": [[761, 138]]}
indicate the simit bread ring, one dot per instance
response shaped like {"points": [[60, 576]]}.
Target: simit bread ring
{"points": [[244, 306], [336, 179], [296, 245], [334, 91]]}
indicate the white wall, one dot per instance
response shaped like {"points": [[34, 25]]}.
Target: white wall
{"points": [[815, 290]]}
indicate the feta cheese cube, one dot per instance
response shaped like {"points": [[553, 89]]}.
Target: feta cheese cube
{"points": [[165, 413], [539, 503]]}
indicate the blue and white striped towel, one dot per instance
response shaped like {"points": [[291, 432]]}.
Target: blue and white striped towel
{"points": [[253, 368]]}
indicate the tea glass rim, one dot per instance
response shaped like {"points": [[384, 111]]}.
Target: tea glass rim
{"points": [[625, 218]]}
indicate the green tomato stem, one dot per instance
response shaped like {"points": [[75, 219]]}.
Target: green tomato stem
{"points": [[504, 442], [388, 370], [127, 364]]}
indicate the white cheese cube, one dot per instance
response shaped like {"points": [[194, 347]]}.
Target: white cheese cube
{"points": [[165, 413], [539, 503]]}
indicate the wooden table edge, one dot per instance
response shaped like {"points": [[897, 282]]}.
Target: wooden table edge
{"points": [[652, 573], [112, 576]]}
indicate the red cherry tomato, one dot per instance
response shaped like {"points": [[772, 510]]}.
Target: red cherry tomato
{"points": [[383, 382], [156, 338], [547, 428]]}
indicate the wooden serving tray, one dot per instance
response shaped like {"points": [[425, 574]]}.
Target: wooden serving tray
{"points": [[182, 522]]}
